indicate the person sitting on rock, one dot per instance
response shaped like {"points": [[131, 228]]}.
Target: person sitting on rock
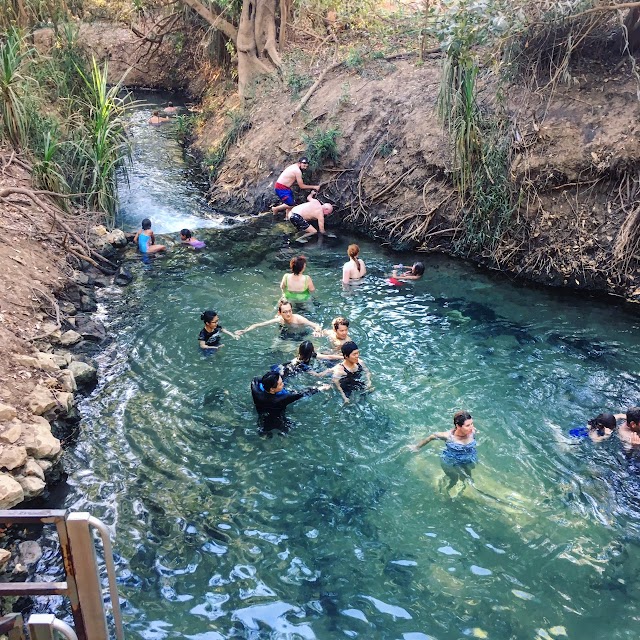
{"points": [[146, 239], [291, 174]]}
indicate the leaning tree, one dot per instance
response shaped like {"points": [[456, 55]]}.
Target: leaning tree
{"points": [[254, 37]]}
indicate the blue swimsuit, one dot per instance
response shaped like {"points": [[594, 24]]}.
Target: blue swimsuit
{"points": [[456, 454], [143, 242]]}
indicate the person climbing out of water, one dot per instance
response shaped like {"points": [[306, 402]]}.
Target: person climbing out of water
{"points": [[302, 361], [146, 239], [187, 238], [348, 375], [459, 455], [302, 215], [598, 429], [271, 399], [339, 332], [291, 174], [355, 268], [210, 334], [629, 430], [296, 287], [170, 108], [413, 273], [286, 318], [156, 118]]}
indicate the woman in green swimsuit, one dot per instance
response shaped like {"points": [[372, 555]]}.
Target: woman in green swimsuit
{"points": [[296, 287]]}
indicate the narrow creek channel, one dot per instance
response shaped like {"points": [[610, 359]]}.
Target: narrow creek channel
{"points": [[336, 529]]}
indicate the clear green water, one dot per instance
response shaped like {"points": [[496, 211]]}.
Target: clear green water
{"points": [[336, 530]]}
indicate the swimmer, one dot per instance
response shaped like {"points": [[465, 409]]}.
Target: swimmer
{"points": [[296, 287], [302, 361], [598, 429], [209, 337], [459, 455], [339, 334], [629, 431], [355, 268], [146, 239], [156, 118], [170, 108], [285, 318], [188, 239], [347, 376], [414, 273]]}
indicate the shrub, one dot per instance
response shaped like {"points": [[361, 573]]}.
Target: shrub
{"points": [[322, 146]]}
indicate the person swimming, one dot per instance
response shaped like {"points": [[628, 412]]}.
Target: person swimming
{"points": [[348, 375], [187, 238], [303, 360], [339, 333], [355, 268], [210, 334], [459, 455], [296, 287], [598, 429], [414, 273], [286, 319]]}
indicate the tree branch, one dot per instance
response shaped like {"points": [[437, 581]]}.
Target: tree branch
{"points": [[216, 21]]}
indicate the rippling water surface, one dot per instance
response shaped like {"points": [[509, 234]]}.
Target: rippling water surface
{"points": [[336, 530]]}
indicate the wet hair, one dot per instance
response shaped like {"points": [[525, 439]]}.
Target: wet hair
{"points": [[348, 348], [170, 104], [146, 224], [303, 160], [336, 322], [417, 269], [186, 233], [208, 315], [297, 264], [270, 380], [353, 251], [460, 417], [603, 421], [306, 351], [156, 113], [282, 303], [633, 415]]}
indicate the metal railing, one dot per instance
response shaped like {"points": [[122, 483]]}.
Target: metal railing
{"points": [[83, 586]]}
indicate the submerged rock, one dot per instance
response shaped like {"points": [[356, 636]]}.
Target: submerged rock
{"points": [[123, 277]]}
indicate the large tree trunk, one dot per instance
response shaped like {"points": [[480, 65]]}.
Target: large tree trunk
{"points": [[632, 24]]}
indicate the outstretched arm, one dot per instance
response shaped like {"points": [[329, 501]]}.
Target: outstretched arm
{"points": [[302, 185], [317, 329], [229, 333], [239, 332], [440, 435]]}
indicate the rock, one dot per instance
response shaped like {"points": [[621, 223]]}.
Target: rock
{"points": [[101, 280], [7, 412], [50, 330], [39, 441], [5, 556], [68, 381], [62, 359], [32, 468], [10, 433], [88, 303], [30, 552], [70, 337], [26, 361], [12, 456], [80, 278], [32, 487], [90, 329], [99, 231], [11, 492], [41, 400], [68, 308], [65, 401], [123, 277], [46, 362], [45, 465], [19, 570], [85, 375], [117, 238]]}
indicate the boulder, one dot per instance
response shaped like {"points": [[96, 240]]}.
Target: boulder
{"points": [[32, 468], [85, 375], [67, 381], [32, 487], [90, 329], [10, 433], [99, 231], [11, 492], [51, 331], [80, 278], [12, 456], [117, 238], [46, 362], [70, 337], [41, 400], [5, 556], [39, 441], [26, 361], [65, 401], [68, 308], [7, 412], [62, 359], [123, 277], [30, 552], [88, 303]]}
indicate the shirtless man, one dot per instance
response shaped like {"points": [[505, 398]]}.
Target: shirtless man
{"points": [[285, 318], [300, 216], [293, 173], [156, 118], [629, 431], [339, 334], [170, 108]]}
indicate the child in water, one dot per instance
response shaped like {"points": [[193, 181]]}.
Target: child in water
{"points": [[190, 241], [209, 337], [146, 239], [459, 455], [414, 273], [598, 429], [302, 361]]}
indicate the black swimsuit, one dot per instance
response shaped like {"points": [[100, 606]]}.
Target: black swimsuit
{"points": [[210, 338], [351, 381]]}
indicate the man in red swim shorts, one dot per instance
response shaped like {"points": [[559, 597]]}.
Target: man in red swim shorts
{"points": [[293, 173]]}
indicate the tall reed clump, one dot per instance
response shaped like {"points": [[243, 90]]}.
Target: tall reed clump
{"points": [[13, 87], [101, 148]]}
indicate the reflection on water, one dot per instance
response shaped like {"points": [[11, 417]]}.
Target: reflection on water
{"points": [[336, 529]]}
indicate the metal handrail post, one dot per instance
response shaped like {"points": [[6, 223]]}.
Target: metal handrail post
{"points": [[43, 626], [88, 582]]}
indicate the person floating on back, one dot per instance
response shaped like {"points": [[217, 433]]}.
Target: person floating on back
{"points": [[302, 215], [291, 174], [187, 239], [146, 239], [412, 273]]}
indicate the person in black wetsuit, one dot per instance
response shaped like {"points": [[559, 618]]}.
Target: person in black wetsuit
{"points": [[272, 399], [351, 373], [209, 337]]}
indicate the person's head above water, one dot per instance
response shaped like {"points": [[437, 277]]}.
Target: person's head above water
{"points": [[306, 351], [460, 417], [348, 348], [156, 113], [633, 418], [417, 269], [341, 327], [353, 251], [272, 382], [208, 316], [285, 309], [603, 421], [170, 104], [297, 264], [185, 233], [146, 224]]}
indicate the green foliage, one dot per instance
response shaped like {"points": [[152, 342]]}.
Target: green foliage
{"points": [[297, 83], [354, 59], [322, 146], [185, 124], [214, 158], [47, 172]]}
